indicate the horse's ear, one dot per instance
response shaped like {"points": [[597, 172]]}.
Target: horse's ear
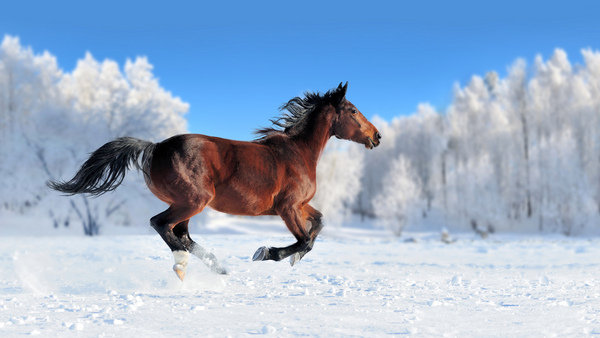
{"points": [[340, 94]]}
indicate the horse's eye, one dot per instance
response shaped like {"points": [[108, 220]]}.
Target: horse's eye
{"points": [[354, 111]]}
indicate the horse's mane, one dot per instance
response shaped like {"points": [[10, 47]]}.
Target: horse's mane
{"points": [[298, 109]]}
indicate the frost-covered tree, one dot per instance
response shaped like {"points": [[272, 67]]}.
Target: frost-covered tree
{"points": [[420, 139], [338, 180], [376, 165], [50, 120], [400, 200], [513, 153]]}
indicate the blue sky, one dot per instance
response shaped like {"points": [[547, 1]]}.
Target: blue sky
{"points": [[236, 62]]}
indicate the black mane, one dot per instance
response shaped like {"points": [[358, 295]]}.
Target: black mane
{"points": [[299, 108]]}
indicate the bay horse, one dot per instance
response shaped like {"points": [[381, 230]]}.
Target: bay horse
{"points": [[275, 174]]}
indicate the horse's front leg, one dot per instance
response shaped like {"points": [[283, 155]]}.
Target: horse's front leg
{"points": [[295, 223], [314, 224]]}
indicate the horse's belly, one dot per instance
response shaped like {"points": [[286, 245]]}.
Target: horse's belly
{"points": [[246, 203]]}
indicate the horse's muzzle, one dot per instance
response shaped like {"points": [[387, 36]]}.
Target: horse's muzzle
{"points": [[375, 141]]}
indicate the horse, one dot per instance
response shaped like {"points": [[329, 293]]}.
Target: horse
{"points": [[275, 174]]}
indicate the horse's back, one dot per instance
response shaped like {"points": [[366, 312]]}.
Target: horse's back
{"points": [[241, 177]]}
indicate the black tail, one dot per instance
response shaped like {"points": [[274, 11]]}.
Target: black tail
{"points": [[105, 170]]}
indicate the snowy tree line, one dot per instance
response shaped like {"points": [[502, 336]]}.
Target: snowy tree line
{"points": [[519, 153], [50, 120]]}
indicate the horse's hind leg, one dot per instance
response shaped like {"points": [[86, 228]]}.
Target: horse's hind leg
{"points": [[164, 223], [182, 233]]}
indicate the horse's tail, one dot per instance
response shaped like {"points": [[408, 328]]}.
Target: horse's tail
{"points": [[105, 170]]}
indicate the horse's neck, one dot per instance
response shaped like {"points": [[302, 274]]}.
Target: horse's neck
{"points": [[313, 139]]}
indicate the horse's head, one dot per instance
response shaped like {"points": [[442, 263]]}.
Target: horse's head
{"points": [[350, 124]]}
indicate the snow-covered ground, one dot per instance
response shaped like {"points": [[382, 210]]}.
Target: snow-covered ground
{"points": [[356, 282]]}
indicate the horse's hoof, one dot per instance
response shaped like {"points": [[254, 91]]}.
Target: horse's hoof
{"points": [[295, 258], [261, 254], [180, 270], [181, 260]]}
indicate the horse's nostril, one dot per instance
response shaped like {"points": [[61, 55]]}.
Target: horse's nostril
{"points": [[378, 135]]}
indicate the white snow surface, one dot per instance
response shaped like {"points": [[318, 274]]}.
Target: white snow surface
{"points": [[355, 282]]}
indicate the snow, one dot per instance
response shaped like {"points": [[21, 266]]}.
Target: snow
{"points": [[355, 282]]}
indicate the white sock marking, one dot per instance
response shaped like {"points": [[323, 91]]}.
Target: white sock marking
{"points": [[181, 259]]}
